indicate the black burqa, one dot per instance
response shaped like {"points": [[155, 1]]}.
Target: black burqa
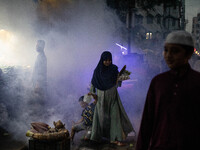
{"points": [[105, 77]]}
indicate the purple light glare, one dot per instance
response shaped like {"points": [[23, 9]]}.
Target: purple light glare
{"points": [[122, 47]]}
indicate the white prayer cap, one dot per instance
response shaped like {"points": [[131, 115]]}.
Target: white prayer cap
{"points": [[180, 37]]}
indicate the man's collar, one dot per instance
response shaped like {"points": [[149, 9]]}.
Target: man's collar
{"points": [[180, 71]]}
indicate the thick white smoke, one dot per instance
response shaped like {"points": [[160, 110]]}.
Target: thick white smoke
{"points": [[75, 34]]}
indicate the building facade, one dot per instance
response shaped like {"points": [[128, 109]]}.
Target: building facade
{"points": [[150, 26], [149, 22], [196, 31]]}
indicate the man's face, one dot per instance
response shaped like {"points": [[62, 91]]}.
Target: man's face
{"points": [[107, 62], [175, 56], [39, 47]]}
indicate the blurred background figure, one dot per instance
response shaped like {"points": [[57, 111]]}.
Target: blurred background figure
{"points": [[39, 77], [197, 65]]}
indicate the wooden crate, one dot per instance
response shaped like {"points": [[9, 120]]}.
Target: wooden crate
{"points": [[49, 145]]}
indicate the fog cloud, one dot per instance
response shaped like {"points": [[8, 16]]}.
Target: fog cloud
{"points": [[75, 34]]}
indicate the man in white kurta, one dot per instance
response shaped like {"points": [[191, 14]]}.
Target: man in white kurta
{"points": [[40, 70]]}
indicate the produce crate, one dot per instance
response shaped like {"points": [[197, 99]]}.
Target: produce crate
{"points": [[49, 145]]}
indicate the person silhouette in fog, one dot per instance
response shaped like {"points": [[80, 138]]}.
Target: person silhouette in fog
{"points": [[40, 70]]}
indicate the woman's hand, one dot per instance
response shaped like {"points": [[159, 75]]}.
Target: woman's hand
{"points": [[93, 95]]}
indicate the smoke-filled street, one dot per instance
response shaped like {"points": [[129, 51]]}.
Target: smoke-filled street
{"points": [[48, 53]]}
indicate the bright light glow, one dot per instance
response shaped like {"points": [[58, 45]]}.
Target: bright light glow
{"points": [[197, 53], [149, 35], [7, 48], [5, 35], [124, 52], [123, 49]]}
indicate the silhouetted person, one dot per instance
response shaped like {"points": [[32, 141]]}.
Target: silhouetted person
{"points": [[170, 118], [40, 70]]}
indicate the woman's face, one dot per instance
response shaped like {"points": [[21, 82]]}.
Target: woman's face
{"points": [[107, 62]]}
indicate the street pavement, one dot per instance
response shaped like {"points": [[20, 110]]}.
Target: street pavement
{"points": [[8, 143], [89, 145]]}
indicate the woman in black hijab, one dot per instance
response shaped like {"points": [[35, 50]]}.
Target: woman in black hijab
{"points": [[105, 74], [110, 119]]}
